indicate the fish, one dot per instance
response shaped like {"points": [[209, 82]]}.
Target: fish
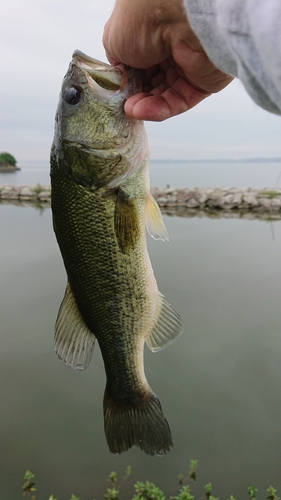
{"points": [[101, 207]]}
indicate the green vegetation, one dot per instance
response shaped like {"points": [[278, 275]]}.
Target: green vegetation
{"points": [[270, 194], [7, 160], [36, 189], [146, 490]]}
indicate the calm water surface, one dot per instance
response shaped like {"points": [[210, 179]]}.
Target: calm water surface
{"points": [[177, 174], [219, 384]]}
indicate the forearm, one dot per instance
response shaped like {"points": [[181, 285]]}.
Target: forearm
{"points": [[242, 38]]}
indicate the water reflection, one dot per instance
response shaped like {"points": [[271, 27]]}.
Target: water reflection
{"points": [[219, 384], [178, 211]]}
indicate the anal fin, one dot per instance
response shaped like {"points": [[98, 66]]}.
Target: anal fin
{"points": [[168, 326], [74, 342]]}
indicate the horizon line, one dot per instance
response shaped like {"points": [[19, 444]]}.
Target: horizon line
{"points": [[258, 159], [273, 159]]}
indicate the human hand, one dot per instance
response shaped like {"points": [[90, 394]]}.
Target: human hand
{"points": [[155, 36]]}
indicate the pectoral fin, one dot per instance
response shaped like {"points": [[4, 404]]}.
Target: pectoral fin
{"points": [[168, 326], [74, 342], [154, 220], [126, 221]]}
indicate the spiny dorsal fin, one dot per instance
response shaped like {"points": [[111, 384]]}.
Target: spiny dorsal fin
{"points": [[126, 221], [74, 342], [168, 326], [154, 220]]}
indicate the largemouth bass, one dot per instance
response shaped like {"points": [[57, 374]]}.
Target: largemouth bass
{"points": [[101, 204]]}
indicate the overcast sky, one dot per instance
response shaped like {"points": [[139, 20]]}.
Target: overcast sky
{"points": [[37, 41]]}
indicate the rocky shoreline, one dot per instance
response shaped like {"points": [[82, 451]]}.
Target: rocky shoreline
{"points": [[33, 194], [218, 198]]}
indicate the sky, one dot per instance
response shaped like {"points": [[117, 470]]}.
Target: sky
{"points": [[36, 45]]}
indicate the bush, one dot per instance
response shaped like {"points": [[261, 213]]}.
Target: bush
{"points": [[6, 160]]}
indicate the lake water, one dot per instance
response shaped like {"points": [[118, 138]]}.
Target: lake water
{"points": [[219, 384], [177, 174]]}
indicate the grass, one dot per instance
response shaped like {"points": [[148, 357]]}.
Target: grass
{"points": [[36, 189], [269, 194], [146, 490]]}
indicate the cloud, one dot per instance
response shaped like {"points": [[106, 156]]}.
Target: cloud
{"points": [[37, 41], [228, 124]]}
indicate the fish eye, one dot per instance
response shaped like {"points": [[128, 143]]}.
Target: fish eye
{"points": [[72, 95]]}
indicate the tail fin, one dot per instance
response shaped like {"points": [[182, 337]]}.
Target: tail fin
{"points": [[143, 425]]}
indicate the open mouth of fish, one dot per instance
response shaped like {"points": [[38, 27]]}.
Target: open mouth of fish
{"points": [[106, 76]]}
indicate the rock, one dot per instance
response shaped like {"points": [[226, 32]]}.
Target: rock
{"points": [[237, 199], [162, 201], [44, 196], [265, 203], [26, 193], [275, 203], [10, 192], [251, 200], [202, 197], [215, 203], [208, 191], [182, 195], [192, 203], [191, 193], [171, 200], [157, 194], [214, 194], [228, 199]]}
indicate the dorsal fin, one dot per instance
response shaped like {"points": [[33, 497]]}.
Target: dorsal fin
{"points": [[153, 219], [74, 342], [168, 326]]}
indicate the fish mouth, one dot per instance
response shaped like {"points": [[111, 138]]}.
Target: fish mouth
{"points": [[106, 76], [113, 78]]}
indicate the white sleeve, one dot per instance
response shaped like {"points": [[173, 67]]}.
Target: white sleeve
{"points": [[243, 39]]}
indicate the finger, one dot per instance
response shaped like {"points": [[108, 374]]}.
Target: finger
{"points": [[111, 60], [161, 107], [132, 101], [151, 108], [157, 80]]}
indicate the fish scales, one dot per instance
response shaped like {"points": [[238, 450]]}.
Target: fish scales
{"points": [[100, 208], [98, 272]]}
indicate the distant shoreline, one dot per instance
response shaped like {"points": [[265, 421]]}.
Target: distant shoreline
{"points": [[189, 161], [9, 169], [276, 159]]}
